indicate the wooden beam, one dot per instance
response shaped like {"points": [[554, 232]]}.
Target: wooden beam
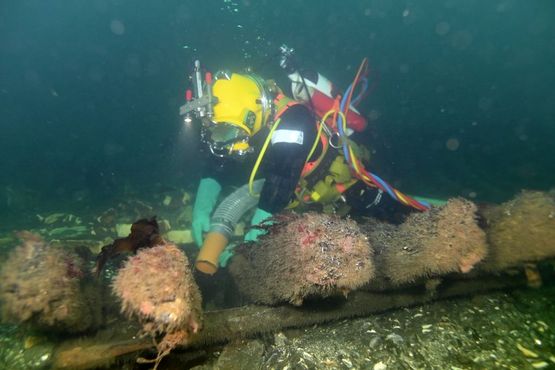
{"points": [[248, 321]]}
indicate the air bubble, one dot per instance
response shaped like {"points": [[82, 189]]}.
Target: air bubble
{"points": [[117, 27], [452, 144]]}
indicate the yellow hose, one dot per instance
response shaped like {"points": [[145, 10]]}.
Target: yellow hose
{"points": [[267, 142], [260, 156]]}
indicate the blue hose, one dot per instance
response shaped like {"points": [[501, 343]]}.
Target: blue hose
{"points": [[360, 95], [340, 123], [385, 186], [346, 154]]}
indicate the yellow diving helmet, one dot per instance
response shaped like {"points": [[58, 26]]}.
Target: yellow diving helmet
{"points": [[243, 106]]}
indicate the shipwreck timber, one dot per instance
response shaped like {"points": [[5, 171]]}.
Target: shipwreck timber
{"points": [[248, 321]]}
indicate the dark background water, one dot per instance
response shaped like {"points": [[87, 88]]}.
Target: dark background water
{"points": [[90, 89]]}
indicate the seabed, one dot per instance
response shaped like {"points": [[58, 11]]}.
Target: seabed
{"points": [[477, 322]]}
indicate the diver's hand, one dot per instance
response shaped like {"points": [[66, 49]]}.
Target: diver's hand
{"points": [[201, 225], [253, 234], [227, 254], [260, 216], [205, 200]]}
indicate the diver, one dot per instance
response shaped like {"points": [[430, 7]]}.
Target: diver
{"points": [[301, 147]]}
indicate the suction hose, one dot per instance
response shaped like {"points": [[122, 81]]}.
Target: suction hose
{"points": [[226, 216]]}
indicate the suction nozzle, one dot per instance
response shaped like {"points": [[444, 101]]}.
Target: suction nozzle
{"points": [[207, 259]]}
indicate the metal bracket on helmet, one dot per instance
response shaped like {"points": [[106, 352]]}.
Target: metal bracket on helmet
{"points": [[200, 101], [196, 105]]}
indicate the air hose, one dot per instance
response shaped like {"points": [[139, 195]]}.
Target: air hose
{"points": [[366, 176]]}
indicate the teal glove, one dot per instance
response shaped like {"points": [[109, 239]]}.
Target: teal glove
{"points": [[226, 255], [205, 200], [259, 217], [431, 201]]}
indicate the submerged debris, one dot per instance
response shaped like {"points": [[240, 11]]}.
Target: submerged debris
{"points": [[45, 285], [526, 352], [157, 287], [301, 256], [521, 230], [17, 354], [144, 233], [443, 240]]}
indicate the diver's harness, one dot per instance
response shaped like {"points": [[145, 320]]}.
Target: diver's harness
{"points": [[323, 180]]}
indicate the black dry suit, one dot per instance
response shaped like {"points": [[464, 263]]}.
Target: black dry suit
{"points": [[282, 163]]}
